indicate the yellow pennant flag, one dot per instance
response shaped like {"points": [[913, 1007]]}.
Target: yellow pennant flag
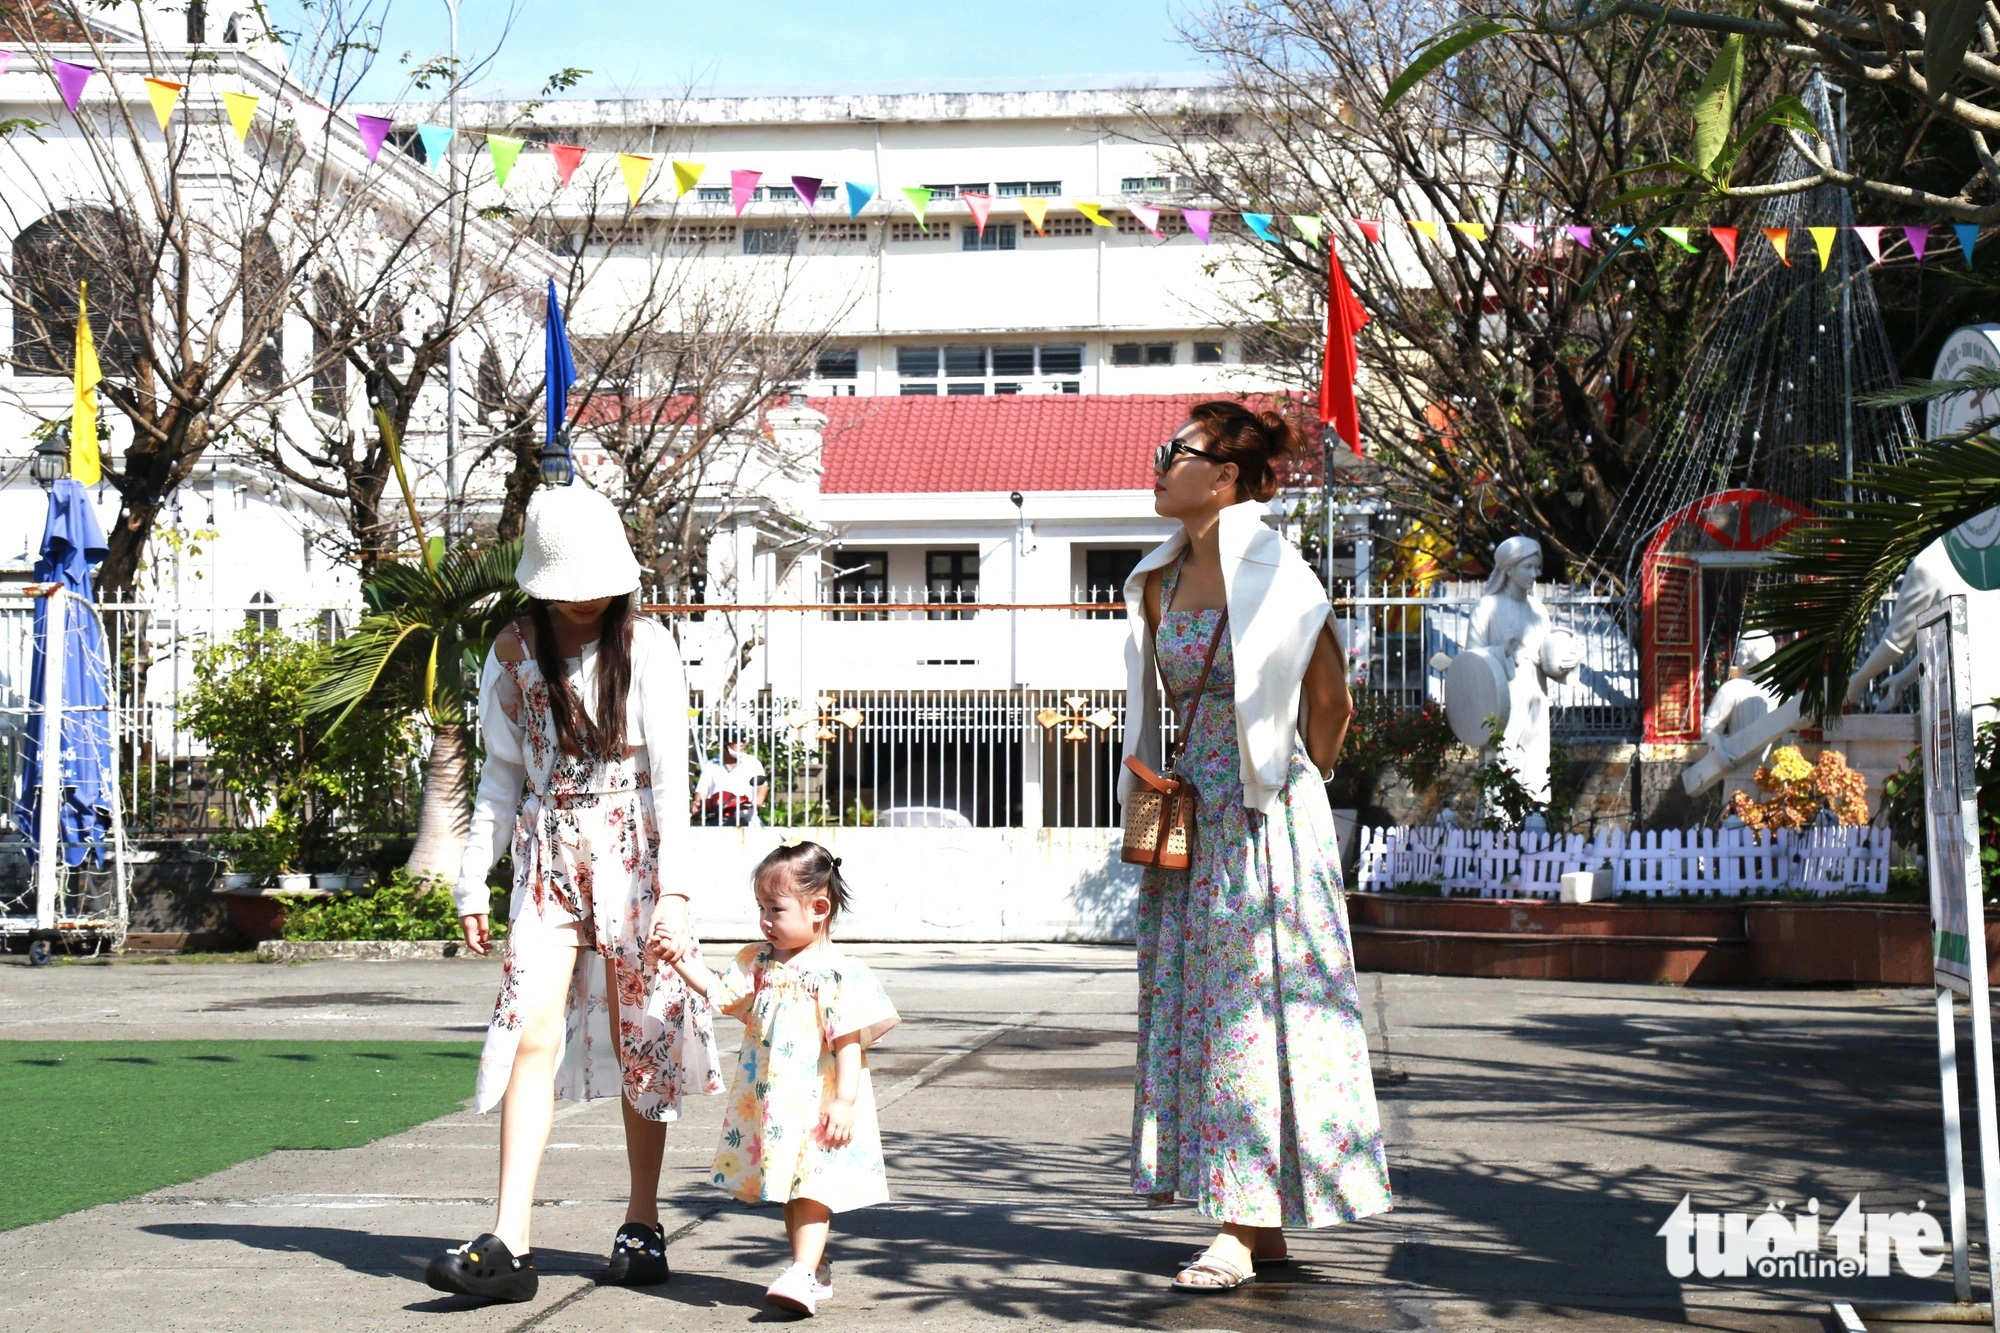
{"points": [[1476, 230], [1036, 209], [165, 95], [1823, 239], [242, 106], [633, 167], [1429, 229], [1309, 227], [687, 175], [1090, 211], [84, 463]]}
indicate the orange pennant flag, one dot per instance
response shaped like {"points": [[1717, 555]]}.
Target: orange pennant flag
{"points": [[1779, 237], [1036, 210]]}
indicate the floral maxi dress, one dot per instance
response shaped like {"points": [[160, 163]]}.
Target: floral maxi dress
{"points": [[586, 849], [792, 1012], [1253, 1099]]}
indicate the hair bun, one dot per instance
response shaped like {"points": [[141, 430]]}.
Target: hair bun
{"points": [[836, 863]]}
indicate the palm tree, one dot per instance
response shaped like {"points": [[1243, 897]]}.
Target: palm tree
{"points": [[419, 650], [1846, 562]]}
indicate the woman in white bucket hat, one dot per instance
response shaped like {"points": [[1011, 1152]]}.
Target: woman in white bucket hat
{"points": [[583, 708]]}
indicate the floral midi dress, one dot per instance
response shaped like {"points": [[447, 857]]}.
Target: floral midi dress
{"points": [[1253, 1099], [586, 849], [792, 1012]]}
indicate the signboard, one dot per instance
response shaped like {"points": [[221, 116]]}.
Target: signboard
{"points": [[1974, 545], [1951, 818]]}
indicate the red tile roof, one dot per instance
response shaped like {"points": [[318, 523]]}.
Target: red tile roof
{"points": [[1024, 442]]}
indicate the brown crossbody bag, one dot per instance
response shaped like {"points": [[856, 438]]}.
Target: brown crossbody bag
{"points": [[1159, 814]]}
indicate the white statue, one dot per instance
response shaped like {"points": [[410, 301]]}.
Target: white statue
{"points": [[1512, 654], [1730, 727], [1926, 583]]}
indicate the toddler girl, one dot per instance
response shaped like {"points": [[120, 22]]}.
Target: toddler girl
{"points": [[800, 1125]]}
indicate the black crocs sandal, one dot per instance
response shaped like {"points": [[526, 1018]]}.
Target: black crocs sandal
{"points": [[638, 1257], [485, 1268]]}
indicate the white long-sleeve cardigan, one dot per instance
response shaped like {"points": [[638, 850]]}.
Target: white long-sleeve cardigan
{"points": [[1276, 611]]}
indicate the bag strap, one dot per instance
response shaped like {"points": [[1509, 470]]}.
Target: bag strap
{"points": [[1200, 689]]}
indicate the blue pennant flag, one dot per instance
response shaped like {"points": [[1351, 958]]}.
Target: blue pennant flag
{"points": [[1968, 236], [1261, 224], [435, 138], [559, 368], [1625, 234], [858, 196]]}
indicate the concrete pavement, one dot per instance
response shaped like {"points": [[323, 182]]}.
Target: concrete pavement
{"points": [[1539, 1135]]}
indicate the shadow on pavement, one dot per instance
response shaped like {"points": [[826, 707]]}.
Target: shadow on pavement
{"points": [[364, 1251]]}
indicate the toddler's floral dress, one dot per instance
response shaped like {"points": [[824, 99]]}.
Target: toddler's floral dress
{"points": [[792, 1012]]}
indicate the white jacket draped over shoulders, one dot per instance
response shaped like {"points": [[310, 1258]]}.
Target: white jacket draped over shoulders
{"points": [[1277, 608], [656, 727]]}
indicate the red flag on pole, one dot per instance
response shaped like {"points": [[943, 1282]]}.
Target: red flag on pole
{"points": [[1344, 319]]}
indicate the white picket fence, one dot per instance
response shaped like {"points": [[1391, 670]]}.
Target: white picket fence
{"points": [[1725, 862]]}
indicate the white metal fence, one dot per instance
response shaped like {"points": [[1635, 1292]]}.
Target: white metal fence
{"points": [[1725, 862]]}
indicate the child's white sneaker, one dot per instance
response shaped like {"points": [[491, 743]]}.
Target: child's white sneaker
{"points": [[799, 1289]]}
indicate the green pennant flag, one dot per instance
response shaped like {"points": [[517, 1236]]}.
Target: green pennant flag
{"points": [[504, 150], [920, 201], [1679, 236]]}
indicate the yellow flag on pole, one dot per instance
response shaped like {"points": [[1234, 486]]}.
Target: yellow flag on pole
{"points": [[84, 464], [633, 167], [687, 175], [165, 95], [1036, 209], [242, 106]]}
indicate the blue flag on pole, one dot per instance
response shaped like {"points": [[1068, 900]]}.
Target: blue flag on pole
{"points": [[558, 366]]}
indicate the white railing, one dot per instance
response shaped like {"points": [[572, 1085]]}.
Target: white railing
{"points": [[1725, 862]]}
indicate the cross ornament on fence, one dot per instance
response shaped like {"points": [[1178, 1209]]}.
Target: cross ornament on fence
{"points": [[1073, 721]]}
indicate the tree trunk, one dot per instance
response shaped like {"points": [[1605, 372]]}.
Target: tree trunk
{"points": [[446, 816]]}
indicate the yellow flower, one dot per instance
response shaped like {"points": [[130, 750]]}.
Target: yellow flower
{"points": [[1789, 766]]}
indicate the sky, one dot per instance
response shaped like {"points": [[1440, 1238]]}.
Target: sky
{"points": [[807, 46]]}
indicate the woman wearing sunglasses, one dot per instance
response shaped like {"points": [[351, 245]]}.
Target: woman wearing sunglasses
{"points": [[1253, 1100]]}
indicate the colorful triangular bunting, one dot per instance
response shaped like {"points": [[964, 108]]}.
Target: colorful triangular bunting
{"points": [[1199, 221], [1871, 241], [634, 167], [164, 95], [70, 78], [981, 205], [436, 140], [568, 157], [920, 203], [503, 149], [687, 175], [807, 189], [1780, 239], [858, 196], [1919, 239], [1968, 236], [1429, 229], [1149, 217], [242, 108], [1679, 236], [743, 188], [1822, 239], [1581, 235], [1095, 212], [1369, 227], [1726, 238], [1476, 230], [1261, 224]]}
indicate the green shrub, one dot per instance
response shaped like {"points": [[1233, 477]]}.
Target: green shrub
{"points": [[401, 908]]}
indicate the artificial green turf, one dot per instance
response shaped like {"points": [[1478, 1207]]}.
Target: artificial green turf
{"points": [[90, 1122]]}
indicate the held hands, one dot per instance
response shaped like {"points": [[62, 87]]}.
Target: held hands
{"points": [[666, 942], [478, 930], [836, 1123]]}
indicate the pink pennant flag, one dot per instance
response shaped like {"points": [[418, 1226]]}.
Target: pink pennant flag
{"points": [[1199, 220], [1371, 228], [70, 79], [568, 158], [1871, 238], [1149, 218], [373, 130], [1581, 235], [1524, 232], [6, 58], [807, 189], [981, 205], [742, 184], [1918, 237]]}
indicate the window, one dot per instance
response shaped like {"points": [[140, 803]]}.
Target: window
{"points": [[1045, 189], [1104, 575], [1142, 185], [770, 240], [1207, 354], [919, 391], [943, 192], [1013, 361], [999, 236], [911, 232], [962, 361], [714, 194], [1072, 386], [266, 294], [951, 579], [917, 362], [1159, 354], [839, 363], [1063, 359], [860, 578], [263, 612], [1006, 388], [1127, 354], [329, 377], [332, 625], [700, 235], [837, 233], [54, 254], [965, 390], [1010, 189]]}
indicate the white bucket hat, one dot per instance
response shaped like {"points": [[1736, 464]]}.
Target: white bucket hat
{"points": [[574, 547]]}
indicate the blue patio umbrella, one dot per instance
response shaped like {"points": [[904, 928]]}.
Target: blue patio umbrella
{"points": [[72, 543], [560, 372]]}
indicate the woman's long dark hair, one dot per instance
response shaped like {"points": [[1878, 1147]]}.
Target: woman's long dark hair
{"points": [[575, 732]]}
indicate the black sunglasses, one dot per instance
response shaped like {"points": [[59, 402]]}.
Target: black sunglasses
{"points": [[1163, 457]]}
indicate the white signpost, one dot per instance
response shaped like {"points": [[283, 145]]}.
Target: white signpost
{"points": [[1958, 949]]}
